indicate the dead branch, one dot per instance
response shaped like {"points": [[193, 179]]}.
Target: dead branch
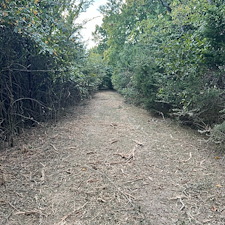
{"points": [[183, 205], [90, 153], [139, 143], [31, 99], [114, 125], [178, 197], [26, 117], [132, 181], [123, 156], [114, 141], [31, 71], [128, 157], [27, 213], [114, 163], [101, 200], [131, 156]]}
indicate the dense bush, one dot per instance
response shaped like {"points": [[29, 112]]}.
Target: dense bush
{"points": [[44, 65], [168, 56]]}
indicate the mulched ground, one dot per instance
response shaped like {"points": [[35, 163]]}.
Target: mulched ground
{"points": [[107, 162]]}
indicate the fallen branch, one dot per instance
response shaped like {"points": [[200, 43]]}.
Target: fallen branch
{"points": [[131, 181], [114, 163], [114, 125], [123, 156], [138, 143], [128, 157], [131, 156], [27, 213], [114, 141], [183, 205], [90, 153], [179, 197]]}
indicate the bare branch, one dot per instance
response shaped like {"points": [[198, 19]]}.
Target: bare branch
{"points": [[27, 118], [32, 99]]}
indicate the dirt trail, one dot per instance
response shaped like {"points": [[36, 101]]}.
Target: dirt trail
{"points": [[110, 163]]}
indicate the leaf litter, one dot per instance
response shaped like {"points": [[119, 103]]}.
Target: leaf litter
{"points": [[107, 162]]}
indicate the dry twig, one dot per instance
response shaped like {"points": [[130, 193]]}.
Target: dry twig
{"points": [[43, 172], [122, 155], [70, 214], [190, 156], [27, 213], [56, 150], [113, 141], [139, 143]]}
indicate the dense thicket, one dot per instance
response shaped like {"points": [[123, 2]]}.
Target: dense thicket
{"points": [[43, 63], [169, 56]]}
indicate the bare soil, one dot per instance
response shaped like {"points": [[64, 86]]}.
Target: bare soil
{"points": [[107, 162]]}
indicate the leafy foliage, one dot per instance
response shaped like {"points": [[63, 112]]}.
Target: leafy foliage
{"points": [[168, 56], [44, 66]]}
